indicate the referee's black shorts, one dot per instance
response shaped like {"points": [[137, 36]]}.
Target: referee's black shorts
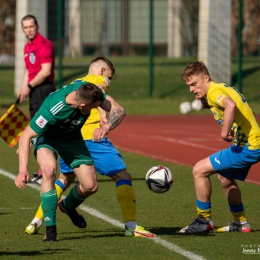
{"points": [[38, 94]]}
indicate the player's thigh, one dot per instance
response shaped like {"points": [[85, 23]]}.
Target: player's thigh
{"points": [[107, 159], [203, 168], [46, 158], [87, 177]]}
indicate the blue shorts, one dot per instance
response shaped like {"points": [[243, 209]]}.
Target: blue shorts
{"points": [[107, 159], [234, 162]]}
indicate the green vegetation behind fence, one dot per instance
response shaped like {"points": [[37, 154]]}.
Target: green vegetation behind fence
{"points": [[130, 85]]}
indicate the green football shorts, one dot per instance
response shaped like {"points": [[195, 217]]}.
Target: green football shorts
{"points": [[73, 152]]}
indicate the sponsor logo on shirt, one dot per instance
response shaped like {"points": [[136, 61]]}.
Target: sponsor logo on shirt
{"points": [[219, 98], [32, 57], [41, 121]]}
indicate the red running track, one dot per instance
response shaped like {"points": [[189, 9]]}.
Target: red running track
{"points": [[181, 140]]}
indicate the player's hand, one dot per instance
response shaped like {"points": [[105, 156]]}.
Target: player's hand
{"points": [[21, 179], [230, 137], [99, 133]]}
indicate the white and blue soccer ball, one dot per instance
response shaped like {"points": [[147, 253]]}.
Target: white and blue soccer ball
{"points": [[196, 105], [159, 179], [185, 107]]}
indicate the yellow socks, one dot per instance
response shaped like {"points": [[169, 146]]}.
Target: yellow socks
{"points": [[203, 209], [126, 198]]}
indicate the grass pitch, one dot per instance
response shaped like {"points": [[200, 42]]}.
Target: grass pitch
{"points": [[164, 214]]}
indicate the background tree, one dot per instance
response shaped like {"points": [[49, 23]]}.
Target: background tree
{"points": [[7, 26], [251, 27]]}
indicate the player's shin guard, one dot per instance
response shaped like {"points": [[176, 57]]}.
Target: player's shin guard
{"points": [[204, 209], [49, 205], [73, 200], [126, 198], [60, 188]]}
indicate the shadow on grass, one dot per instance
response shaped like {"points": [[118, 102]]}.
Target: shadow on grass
{"points": [[174, 231], [33, 253], [90, 234], [110, 180]]}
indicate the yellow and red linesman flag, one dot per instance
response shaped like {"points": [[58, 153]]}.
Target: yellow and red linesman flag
{"points": [[12, 124]]}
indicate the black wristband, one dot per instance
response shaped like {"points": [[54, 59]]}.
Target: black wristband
{"points": [[29, 86]]}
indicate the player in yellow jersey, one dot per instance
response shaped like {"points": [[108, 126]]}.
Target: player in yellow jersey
{"points": [[238, 127], [107, 160]]}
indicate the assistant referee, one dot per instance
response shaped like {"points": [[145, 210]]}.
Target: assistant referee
{"points": [[39, 58]]}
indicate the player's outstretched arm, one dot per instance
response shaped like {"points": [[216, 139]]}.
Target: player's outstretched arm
{"points": [[24, 152]]}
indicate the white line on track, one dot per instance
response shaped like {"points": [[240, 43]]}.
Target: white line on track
{"points": [[116, 223], [172, 140], [153, 156]]}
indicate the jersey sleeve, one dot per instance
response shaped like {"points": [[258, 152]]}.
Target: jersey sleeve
{"points": [[46, 53], [216, 97]]}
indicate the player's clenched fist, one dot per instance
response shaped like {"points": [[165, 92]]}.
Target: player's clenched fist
{"points": [[21, 179]]}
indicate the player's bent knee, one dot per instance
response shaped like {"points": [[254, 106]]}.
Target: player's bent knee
{"points": [[198, 173], [88, 189], [49, 172]]}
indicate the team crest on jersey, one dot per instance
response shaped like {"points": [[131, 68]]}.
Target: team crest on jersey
{"points": [[41, 121], [219, 98], [32, 57]]}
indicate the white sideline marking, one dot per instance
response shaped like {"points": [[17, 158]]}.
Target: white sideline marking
{"points": [[116, 223]]}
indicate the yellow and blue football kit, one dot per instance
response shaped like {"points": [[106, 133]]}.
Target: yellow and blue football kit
{"points": [[235, 161]]}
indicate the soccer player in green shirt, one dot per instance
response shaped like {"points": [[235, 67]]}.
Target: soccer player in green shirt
{"points": [[57, 126]]}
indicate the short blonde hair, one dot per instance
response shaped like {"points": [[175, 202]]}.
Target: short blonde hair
{"points": [[194, 68]]}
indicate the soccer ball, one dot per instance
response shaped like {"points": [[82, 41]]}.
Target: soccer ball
{"points": [[185, 107], [159, 179], [196, 105]]}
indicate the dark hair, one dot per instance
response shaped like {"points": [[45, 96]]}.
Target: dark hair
{"points": [[89, 92], [194, 68], [29, 17], [107, 61]]}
